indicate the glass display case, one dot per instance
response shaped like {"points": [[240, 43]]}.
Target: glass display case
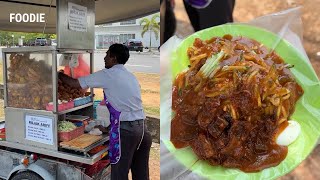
{"points": [[35, 100], [29, 80], [32, 81]]}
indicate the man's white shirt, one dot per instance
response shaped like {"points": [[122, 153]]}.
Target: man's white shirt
{"points": [[121, 88]]}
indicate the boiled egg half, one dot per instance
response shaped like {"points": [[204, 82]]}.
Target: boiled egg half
{"points": [[289, 134]]}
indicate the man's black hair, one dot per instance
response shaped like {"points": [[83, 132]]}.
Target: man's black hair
{"points": [[120, 51]]}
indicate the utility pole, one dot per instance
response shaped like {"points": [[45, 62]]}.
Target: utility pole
{"points": [[12, 40]]}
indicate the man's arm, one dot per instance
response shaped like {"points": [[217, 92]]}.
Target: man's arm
{"points": [[74, 83]]}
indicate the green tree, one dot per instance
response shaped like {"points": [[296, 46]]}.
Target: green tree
{"points": [[53, 36], [7, 39], [151, 25], [4, 37]]}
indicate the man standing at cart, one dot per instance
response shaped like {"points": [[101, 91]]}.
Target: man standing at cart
{"points": [[130, 142]]}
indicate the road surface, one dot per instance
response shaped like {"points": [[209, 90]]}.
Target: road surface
{"points": [[138, 62]]}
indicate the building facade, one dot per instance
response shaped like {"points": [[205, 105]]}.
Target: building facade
{"points": [[120, 32]]}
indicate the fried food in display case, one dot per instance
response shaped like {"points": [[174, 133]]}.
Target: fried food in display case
{"points": [[29, 83], [232, 103], [29, 80], [67, 93]]}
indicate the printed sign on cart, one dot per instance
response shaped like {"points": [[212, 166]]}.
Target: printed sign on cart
{"points": [[77, 16], [39, 129]]}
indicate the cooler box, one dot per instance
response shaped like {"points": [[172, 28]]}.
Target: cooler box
{"points": [[82, 101]]}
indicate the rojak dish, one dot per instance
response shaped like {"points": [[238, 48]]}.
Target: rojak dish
{"points": [[232, 102]]}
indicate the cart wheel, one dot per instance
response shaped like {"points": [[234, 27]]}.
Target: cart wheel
{"points": [[26, 175]]}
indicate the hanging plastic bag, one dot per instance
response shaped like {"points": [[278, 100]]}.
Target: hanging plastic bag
{"points": [[81, 70], [281, 32]]}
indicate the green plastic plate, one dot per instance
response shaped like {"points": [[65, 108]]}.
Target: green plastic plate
{"points": [[307, 110]]}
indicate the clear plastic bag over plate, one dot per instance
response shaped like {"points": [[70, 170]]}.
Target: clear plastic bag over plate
{"points": [[281, 32]]}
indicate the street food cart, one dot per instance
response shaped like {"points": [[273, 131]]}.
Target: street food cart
{"points": [[36, 101]]}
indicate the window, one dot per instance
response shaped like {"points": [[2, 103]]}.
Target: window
{"points": [[128, 22], [109, 24], [106, 40], [125, 37]]}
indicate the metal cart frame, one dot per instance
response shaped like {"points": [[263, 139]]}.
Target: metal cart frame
{"points": [[15, 127]]}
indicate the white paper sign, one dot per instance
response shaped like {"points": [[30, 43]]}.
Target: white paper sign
{"points": [[39, 129], [77, 17]]}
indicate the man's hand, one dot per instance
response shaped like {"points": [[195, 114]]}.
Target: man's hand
{"points": [[74, 83], [102, 129], [60, 74]]}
